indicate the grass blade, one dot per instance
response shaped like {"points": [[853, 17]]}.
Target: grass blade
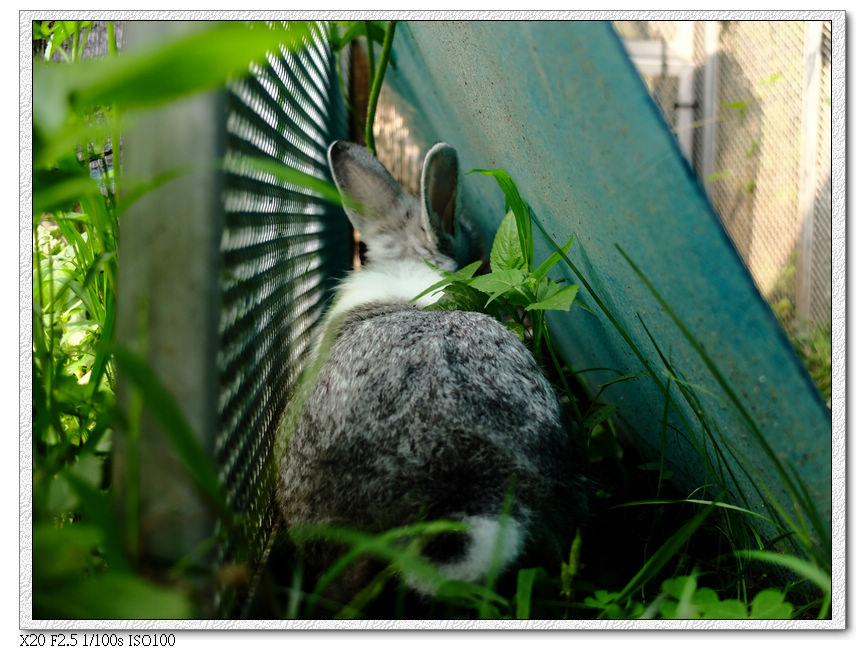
{"points": [[525, 582], [795, 487], [663, 555], [180, 434], [551, 261], [703, 502], [799, 566]]}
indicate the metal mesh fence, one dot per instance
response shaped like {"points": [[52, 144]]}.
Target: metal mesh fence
{"points": [[282, 249], [699, 90], [646, 29], [751, 139], [821, 276], [662, 84], [664, 90], [759, 139]]}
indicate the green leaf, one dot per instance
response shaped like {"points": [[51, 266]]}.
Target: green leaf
{"points": [[770, 604], [499, 282], [176, 428], [462, 275], [727, 609], [110, 595], [551, 261], [520, 208], [203, 60], [507, 252], [57, 189], [41, 29], [459, 297], [375, 29], [668, 609], [492, 282], [675, 586], [355, 29], [517, 328], [97, 509], [561, 300], [546, 288], [57, 36], [686, 608], [570, 569], [303, 182], [705, 598], [603, 444], [64, 552], [601, 598]]}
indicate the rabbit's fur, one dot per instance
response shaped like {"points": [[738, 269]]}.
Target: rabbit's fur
{"points": [[422, 415]]}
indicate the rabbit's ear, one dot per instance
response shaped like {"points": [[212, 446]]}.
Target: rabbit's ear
{"points": [[439, 186], [370, 194]]}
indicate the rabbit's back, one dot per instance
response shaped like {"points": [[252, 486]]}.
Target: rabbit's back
{"points": [[422, 413]]}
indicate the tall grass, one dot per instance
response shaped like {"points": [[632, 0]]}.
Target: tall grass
{"points": [[85, 561], [79, 554]]}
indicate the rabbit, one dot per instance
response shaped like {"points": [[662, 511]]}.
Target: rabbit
{"points": [[420, 414]]}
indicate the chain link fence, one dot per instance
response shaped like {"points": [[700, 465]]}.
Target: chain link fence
{"points": [[760, 136], [282, 248], [239, 265]]}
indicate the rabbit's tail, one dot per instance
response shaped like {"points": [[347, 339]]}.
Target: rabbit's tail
{"points": [[488, 545]]}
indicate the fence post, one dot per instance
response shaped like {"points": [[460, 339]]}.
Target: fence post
{"points": [[169, 247], [225, 269], [808, 165], [710, 101]]}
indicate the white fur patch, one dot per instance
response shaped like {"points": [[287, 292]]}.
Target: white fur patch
{"points": [[394, 282], [486, 543], [484, 537]]}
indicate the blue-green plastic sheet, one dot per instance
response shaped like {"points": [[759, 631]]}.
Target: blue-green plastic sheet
{"points": [[559, 106]]}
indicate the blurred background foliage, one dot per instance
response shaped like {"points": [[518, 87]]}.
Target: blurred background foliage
{"points": [[83, 564]]}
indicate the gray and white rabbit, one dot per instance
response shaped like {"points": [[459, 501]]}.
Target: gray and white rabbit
{"points": [[423, 415]]}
